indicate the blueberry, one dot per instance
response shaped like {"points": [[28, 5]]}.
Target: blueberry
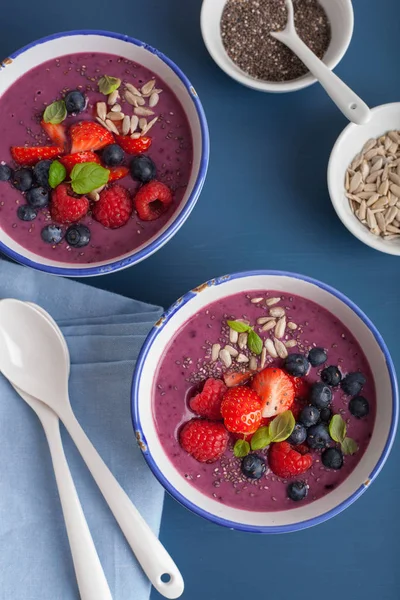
{"points": [[309, 416], [326, 415], [5, 172], [331, 376], [297, 365], [317, 357], [318, 437], [75, 102], [298, 435], [51, 234], [297, 490], [253, 466], [142, 168], [26, 213], [78, 236], [113, 155], [38, 197], [359, 407], [320, 395], [41, 172], [22, 179], [353, 383], [332, 458]]}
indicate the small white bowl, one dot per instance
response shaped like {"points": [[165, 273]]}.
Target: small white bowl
{"points": [[384, 118], [341, 17], [285, 520]]}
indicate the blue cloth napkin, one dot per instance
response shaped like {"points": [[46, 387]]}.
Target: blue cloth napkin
{"points": [[104, 333]]}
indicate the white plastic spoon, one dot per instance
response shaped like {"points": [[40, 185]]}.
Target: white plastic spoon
{"points": [[33, 358], [90, 576], [345, 99]]}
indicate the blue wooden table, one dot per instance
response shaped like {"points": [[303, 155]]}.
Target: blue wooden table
{"points": [[265, 205]]}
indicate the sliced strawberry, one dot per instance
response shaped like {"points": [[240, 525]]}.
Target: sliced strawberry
{"points": [[29, 156], [131, 146], [275, 389], [88, 135], [70, 160], [56, 133], [234, 379], [117, 173]]}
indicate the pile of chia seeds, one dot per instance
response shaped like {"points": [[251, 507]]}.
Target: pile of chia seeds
{"points": [[245, 28]]}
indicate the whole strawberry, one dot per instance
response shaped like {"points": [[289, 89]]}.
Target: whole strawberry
{"points": [[208, 402], [205, 440], [241, 410], [114, 208], [66, 208], [285, 462]]}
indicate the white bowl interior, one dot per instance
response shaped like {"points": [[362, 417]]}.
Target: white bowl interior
{"points": [[350, 142], [61, 46], [340, 15], [288, 284]]}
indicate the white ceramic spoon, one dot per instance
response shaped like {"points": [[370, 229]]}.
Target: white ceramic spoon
{"points": [[345, 99], [90, 576], [32, 357]]}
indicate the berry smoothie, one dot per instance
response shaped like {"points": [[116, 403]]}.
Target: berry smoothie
{"points": [[286, 357], [167, 143]]}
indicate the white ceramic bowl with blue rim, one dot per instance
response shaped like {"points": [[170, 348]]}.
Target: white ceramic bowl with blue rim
{"points": [[302, 516], [60, 44]]}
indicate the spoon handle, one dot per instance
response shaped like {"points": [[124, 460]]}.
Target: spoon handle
{"points": [[149, 551], [90, 576]]}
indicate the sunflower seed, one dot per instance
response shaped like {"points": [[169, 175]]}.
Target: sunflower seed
{"points": [[371, 220], [270, 347], [148, 87], [157, 91], [398, 170], [364, 169], [372, 199], [134, 123], [391, 214], [280, 348], [101, 108], [225, 357], [112, 98], [253, 364], [365, 195], [277, 311], [369, 145], [150, 125], [380, 219], [242, 358], [263, 359], [380, 203], [103, 123], [292, 325], [132, 89], [385, 173], [396, 223], [375, 231], [347, 181], [394, 136], [126, 123], [392, 199], [115, 116], [371, 187], [256, 300], [378, 210], [112, 127], [291, 343], [242, 340], [215, 352], [141, 111], [387, 143], [355, 198], [377, 165], [93, 195], [392, 229], [394, 178], [131, 98], [384, 188], [154, 99], [362, 211], [263, 320], [393, 148], [356, 162], [355, 182], [368, 155], [272, 301], [116, 108], [268, 326], [373, 176], [232, 351], [395, 189], [135, 136], [142, 123], [280, 328]]}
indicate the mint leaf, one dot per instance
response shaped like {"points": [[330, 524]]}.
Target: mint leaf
{"points": [[349, 446], [254, 342], [108, 84], [260, 439], [337, 429], [86, 177], [241, 448], [55, 113], [239, 326], [282, 426], [57, 173]]}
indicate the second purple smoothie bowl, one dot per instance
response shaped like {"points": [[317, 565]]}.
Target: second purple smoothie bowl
{"points": [[298, 516]]}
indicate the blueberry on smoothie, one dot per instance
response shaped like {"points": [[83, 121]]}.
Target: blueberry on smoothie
{"points": [[332, 458], [325, 415], [5, 172], [320, 395], [75, 102], [331, 376], [353, 383], [318, 437], [297, 490], [317, 357], [78, 236], [253, 466], [298, 435], [359, 407], [41, 172], [26, 213], [142, 168], [51, 234], [297, 365], [113, 155], [38, 197], [22, 179], [309, 416]]}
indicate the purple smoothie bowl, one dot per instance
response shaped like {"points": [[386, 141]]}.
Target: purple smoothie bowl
{"points": [[63, 44], [297, 516]]}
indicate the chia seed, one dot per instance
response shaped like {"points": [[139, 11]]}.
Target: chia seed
{"points": [[245, 28]]}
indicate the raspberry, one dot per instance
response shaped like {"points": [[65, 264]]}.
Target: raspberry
{"points": [[241, 410], [66, 208], [205, 440], [285, 462], [208, 402], [152, 200], [114, 207]]}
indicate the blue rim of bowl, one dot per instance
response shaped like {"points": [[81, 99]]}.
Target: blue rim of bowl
{"points": [[233, 524], [191, 202]]}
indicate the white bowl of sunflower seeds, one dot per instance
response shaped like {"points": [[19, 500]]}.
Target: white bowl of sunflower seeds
{"points": [[364, 179]]}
